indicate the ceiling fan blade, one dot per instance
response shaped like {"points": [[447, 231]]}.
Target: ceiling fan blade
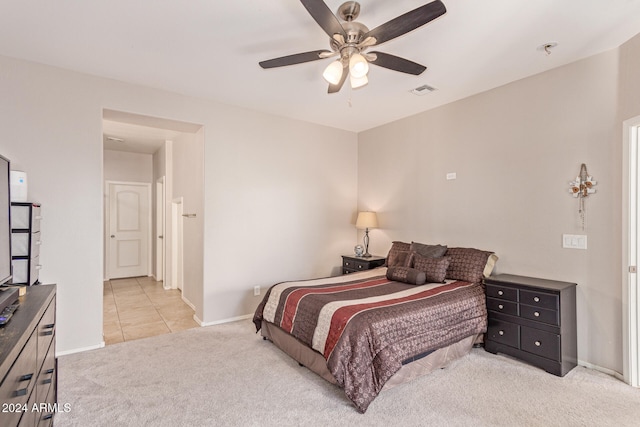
{"points": [[324, 17], [407, 22], [396, 63], [297, 58], [336, 88]]}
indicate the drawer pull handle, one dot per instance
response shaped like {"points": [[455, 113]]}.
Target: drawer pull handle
{"points": [[500, 333], [500, 293], [49, 371], [538, 343], [47, 417], [535, 313], [500, 306], [26, 377], [49, 326], [21, 392], [47, 381], [45, 333], [536, 299]]}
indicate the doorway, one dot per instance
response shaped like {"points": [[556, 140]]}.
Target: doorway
{"points": [[128, 231], [631, 251], [166, 155], [160, 230]]}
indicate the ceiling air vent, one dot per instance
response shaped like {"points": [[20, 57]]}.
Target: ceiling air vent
{"points": [[421, 90]]}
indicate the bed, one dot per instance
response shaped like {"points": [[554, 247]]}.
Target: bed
{"points": [[373, 330]]}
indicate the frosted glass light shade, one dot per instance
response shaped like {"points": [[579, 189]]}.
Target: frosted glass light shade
{"points": [[367, 220], [358, 82], [333, 73], [358, 66]]}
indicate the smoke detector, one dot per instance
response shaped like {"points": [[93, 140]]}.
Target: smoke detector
{"points": [[422, 90]]}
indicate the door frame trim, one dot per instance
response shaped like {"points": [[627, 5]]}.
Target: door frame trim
{"points": [[630, 242], [107, 218]]}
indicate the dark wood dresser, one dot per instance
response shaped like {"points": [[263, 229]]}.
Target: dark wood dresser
{"points": [[28, 364], [534, 320], [352, 263]]}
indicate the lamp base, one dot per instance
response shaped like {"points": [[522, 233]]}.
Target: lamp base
{"points": [[366, 244]]}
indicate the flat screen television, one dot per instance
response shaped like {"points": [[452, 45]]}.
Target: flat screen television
{"points": [[5, 221]]}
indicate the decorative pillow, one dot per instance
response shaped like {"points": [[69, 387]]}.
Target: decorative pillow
{"points": [[406, 275], [396, 247], [491, 262], [468, 264], [434, 268], [431, 251]]}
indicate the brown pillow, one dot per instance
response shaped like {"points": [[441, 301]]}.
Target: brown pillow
{"points": [[431, 251], [435, 269], [467, 264], [392, 257], [406, 275]]}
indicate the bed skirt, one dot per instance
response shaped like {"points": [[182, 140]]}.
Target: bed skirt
{"points": [[315, 362]]}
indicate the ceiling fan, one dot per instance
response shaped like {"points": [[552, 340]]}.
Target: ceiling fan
{"points": [[350, 39]]}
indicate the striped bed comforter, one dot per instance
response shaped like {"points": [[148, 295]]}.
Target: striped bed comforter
{"points": [[365, 325]]}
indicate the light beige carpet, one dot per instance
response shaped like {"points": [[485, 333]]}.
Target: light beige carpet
{"points": [[227, 375]]}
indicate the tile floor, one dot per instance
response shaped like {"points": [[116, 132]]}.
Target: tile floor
{"points": [[140, 307]]}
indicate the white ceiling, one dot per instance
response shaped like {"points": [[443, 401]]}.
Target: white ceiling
{"points": [[211, 48]]}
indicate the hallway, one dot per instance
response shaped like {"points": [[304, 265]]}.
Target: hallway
{"points": [[140, 307]]}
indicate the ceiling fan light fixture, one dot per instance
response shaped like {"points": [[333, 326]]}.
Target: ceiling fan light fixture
{"points": [[333, 73], [358, 66], [357, 82]]}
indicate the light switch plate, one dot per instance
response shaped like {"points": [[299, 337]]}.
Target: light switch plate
{"points": [[574, 241], [451, 175]]}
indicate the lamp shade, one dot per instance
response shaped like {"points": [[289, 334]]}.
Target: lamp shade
{"points": [[333, 73], [356, 83], [367, 220], [358, 66]]}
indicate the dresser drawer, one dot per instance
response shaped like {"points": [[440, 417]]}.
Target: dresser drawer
{"points": [[46, 331], [501, 292], [354, 265], [504, 332], [502, 306], [540, 299], [541, 343], [551, 317], [46, 377], [19, 382]]}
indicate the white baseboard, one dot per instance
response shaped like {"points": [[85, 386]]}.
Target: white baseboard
{"points": [[607, 371], [220, 322], [79, 350], [186, 301]]}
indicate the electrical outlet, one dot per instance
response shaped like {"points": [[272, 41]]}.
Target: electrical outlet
{"points": [[256, 291], [451, 176]]}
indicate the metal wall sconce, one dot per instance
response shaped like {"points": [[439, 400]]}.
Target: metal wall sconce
{"points": [[580, 189]]}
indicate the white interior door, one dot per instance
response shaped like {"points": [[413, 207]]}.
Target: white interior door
{"points": [[631, 251], [160, 229], [129, 223]]}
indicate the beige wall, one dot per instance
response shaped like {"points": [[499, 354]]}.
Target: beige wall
{"points": [[188, 177], [514, 149], [128, 167], [279, 193]]}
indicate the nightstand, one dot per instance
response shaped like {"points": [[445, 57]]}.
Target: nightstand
{"points": [[352, 263], [533, 320]]}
